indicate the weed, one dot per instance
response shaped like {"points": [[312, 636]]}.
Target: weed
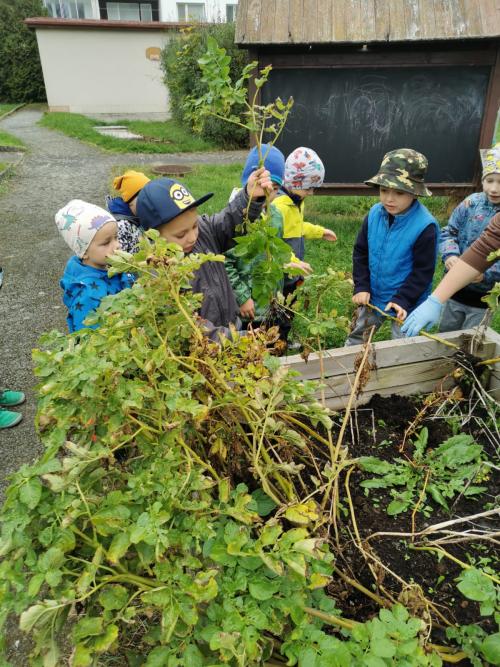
{"points": [[440, 473]]}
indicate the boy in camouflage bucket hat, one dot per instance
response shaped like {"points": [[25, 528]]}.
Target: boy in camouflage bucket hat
{"points": [[395, 252], [403, 169]]}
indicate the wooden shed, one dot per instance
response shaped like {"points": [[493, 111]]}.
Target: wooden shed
{"points": [[368, 76]]}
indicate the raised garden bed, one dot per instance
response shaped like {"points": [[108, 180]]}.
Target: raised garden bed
{"points": [[406, 367]]}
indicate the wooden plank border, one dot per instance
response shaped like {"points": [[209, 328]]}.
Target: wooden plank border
{"points": [[404, 366]]}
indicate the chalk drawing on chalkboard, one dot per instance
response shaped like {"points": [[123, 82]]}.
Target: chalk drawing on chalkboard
{"points": [[352, 116]]}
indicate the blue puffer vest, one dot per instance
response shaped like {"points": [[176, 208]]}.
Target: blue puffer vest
{"points": [[390, 249]]}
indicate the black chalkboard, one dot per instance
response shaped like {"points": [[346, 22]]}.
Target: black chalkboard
{"points": [[351, 117]]}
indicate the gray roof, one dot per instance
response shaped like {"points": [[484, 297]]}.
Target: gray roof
{"points": [[364, 21]]}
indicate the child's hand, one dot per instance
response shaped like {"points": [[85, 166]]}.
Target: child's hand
{"points": [[400, 312], [478, 278], [453, 259], [259, 183], [361, 298], [307, 268], [247, 309], [328, 235]]}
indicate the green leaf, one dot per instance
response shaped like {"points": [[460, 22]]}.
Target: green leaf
{"points": [[263, 589], [375, 465], [87, 627], [51, 657], [113, 597], [31, 492], [35, 584], [53, 578], [397, 506], [104, 642], [158, 657], [490, 648], [383, 648], [474, 585], [38, 615], [118, 547], [82, 656], [52, 559], [265, 504], [373, 661]]}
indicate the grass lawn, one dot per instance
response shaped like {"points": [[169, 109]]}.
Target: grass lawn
{"points": [[159, 137], [9, 140], [5, 108], [343, 215]]}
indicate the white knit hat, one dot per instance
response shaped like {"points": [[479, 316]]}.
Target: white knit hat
{"points": [[78, 222], [304, 169]]}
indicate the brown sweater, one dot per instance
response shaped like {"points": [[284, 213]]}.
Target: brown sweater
{"points": [[489, 241]]}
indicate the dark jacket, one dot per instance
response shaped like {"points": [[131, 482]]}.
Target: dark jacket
{"points": [[216, 234]]}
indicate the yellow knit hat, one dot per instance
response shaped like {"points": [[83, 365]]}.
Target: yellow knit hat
{"points": [[130, 184], [491, 160]]}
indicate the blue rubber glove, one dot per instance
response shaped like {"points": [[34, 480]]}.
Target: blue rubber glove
{"points": [[423, 317]]}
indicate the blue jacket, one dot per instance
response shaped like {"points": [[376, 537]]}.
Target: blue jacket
{"points": [[84, 288], [391, 259], [467, 222]]}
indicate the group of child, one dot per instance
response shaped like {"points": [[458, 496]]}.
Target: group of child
{"points": [[394, 255]]}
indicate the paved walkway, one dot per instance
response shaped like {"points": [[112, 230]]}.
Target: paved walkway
{"points": [[55, 169]]}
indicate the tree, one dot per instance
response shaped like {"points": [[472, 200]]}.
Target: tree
{"points": [[21, 78]]}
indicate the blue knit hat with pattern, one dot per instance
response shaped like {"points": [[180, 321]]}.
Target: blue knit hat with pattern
{"points": [[274, 163]]}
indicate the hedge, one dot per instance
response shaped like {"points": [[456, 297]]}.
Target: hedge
{"points": [[21, 78], [182, 76]]}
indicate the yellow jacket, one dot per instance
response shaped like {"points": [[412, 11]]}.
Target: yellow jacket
{"points": [[295, 228]]}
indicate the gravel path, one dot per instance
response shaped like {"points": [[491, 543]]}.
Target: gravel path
{"points": [[55, 169]]}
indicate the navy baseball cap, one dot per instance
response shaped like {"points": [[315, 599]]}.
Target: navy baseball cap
{"points": [[162, 200]]}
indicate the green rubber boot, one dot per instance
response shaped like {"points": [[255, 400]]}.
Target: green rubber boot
{"points": [[10, 398], [9, 418]]}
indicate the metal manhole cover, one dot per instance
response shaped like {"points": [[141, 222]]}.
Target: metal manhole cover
{"points": [[171, 169]]}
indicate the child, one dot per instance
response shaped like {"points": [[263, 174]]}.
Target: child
{"points": [[395, 252], [91, 233], [466, 224], [238, 269], [166, 205], [124, 208], [304, 171]]}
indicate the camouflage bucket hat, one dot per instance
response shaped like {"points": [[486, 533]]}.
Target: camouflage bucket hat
{"points": [[403, 169]]}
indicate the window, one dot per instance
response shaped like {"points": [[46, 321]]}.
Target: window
{"points": [[70, 9], [191, 11], [129, 11], [231, 13]]}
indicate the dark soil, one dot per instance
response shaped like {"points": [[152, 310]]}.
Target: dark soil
{"points": [[378, 429]]}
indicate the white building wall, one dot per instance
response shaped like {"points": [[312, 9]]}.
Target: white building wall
{"points": [[215, 10], [92, 71]]}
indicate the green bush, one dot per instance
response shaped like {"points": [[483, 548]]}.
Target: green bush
{"points": [[21, 78], [182, 77]]}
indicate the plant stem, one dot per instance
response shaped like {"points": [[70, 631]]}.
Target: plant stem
{"points": [[420, 333]]}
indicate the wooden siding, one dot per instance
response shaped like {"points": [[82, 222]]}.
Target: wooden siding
{"points": [[364, 21]]}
